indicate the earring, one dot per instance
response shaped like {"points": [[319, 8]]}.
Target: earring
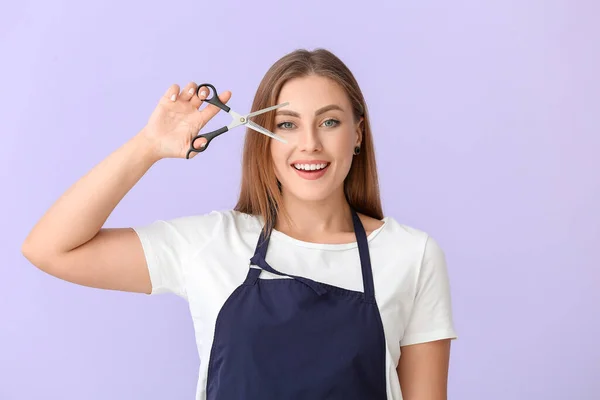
{"points": [[356, 150]]}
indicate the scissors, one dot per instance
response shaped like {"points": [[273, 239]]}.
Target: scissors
{"points": [[237, 120]]}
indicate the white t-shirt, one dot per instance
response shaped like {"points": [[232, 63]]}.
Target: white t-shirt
{"points": [[204, 258]]}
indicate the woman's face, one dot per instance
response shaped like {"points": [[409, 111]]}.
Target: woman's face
{"points": [[319, 127]]}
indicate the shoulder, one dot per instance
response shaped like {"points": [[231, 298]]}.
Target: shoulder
{"points": [[222, 221], [413, 242], [412, 262], [190, 228]]}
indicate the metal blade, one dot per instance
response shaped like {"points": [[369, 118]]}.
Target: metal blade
{"points": [[264, 110], [264, 131]]}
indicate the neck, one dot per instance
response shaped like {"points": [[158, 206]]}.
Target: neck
{"points": [[315, 219]]}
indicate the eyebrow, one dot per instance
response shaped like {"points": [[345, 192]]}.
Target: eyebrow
{"points": [[318, 112]]}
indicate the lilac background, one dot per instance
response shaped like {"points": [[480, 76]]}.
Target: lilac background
{"points": [[486, 124]]}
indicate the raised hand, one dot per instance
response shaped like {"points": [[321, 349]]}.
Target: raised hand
{"points": [[177, 119]]}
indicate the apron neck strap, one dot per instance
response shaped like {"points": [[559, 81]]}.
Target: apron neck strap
{"points": [[363, 251], [365, 257]]}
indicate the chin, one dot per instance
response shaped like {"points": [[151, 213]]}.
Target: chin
{"points": [[310, 191], [309, 196]]}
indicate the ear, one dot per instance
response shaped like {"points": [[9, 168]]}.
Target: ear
{"points": [[359, 131]]}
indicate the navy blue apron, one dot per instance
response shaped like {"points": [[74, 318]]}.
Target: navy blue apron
{"points": [[298, 339]]}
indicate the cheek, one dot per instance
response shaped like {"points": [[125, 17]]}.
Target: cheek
{"points": [[343, 153], [342, 148], [279, 156]]}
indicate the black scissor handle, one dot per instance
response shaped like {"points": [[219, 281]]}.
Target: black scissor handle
{"points": [[214, 99], [208, 136]]}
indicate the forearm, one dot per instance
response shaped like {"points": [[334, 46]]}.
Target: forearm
{"points": [[79, 214]]}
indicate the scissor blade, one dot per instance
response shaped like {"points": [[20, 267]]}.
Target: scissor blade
{"points": [[264, 131], [264, 110]]}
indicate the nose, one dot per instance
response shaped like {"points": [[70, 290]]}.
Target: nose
{"points": [[309, 141]]}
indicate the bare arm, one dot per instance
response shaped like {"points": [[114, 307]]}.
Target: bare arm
{"points": [[423, 370], [69, 241]]}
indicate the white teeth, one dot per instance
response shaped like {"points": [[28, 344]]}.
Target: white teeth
{"points": [[309, 167]]}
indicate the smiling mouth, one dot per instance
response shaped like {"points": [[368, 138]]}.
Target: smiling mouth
{"points": [[310, 167], [311, 171]]}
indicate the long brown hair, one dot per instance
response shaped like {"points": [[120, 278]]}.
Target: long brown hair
{"points": [[260, 192]]}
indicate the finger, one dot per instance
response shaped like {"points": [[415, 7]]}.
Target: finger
{"points": [[199, 143], [203, 92], [199, 97], [172, 93], [211, 110], [194, 153], [188, 91]]}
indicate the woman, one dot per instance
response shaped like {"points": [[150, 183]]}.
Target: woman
{"points": [[304, 290]]}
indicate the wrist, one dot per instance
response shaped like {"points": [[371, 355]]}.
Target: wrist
{"points": [[145, 147]]}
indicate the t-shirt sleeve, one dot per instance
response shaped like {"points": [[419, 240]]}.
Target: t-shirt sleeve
{"points": [[168, 246], [431, 315]]}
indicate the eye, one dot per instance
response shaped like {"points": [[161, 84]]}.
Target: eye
{"points": [[285, 125], [331, 123]]}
